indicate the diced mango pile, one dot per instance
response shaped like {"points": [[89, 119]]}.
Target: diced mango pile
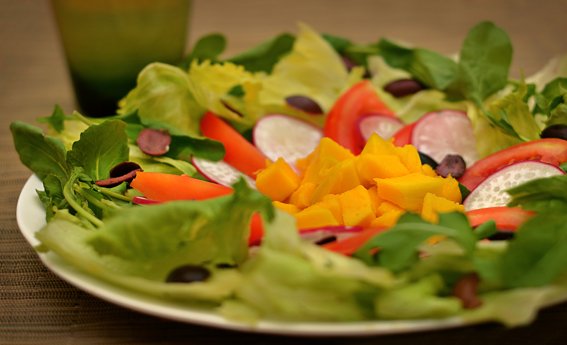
{"points": [[334, 187]]}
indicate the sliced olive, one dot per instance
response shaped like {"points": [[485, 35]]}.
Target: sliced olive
{"points": [[403, 87], [123, 172], [188, 274], [555, 131], [305, 104], [154, 142]]}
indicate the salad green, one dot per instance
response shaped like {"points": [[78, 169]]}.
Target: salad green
{"points": [[398, 274]]}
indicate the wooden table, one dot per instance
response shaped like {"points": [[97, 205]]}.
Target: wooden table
{"points": [[36, 307]]}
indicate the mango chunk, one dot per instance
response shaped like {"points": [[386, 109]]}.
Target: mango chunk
{"points": [[356, 207], [387, 220], [408, 191], [451, 189], [433, 205], [277, 181], [371, 166], [385, 207], [331, 202], [342, 177], [427, 170], [410, 158], [314, 217], [302, 195], [289, 208], [374, 199], [378, 146], [324, 157]]}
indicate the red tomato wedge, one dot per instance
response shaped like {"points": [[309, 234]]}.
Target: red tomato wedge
{"points": [[551, 151], [506, 218], [350, 245], [404, 135], [161, 187], [344, 117], [240, 153]]}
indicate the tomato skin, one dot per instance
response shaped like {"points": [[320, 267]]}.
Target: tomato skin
{"points": [[350, 245], [506, 218], [550, 150], [404, 135], [343, 118]]}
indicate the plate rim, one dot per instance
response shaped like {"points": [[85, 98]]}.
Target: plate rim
{"points": [[30, 217]]}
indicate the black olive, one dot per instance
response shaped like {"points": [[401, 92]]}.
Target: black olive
{"points": [[122, 172], [124, 168], [225, 265], [154, 142], [188, 274], [403, 87], [326, 240], [425, 159], [502, 235], [555, 131], [453, 165]]}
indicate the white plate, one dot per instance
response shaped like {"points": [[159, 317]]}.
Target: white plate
{"points": [[31, 218]]}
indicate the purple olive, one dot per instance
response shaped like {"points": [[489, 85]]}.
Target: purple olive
{"points": [[555, 131], [453, 165], [154, 142], [122, 172], [403, 87], [304, 104]]}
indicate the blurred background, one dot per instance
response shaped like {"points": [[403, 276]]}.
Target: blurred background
{"points": [[31, 58]]}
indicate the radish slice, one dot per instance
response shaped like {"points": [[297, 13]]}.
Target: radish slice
{"points": [[286, 137], [220, 172], [444, 132], [492, 191], [140, 200], [384, 125]]}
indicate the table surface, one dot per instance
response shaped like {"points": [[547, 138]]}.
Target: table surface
{"points": [[36, 307]]}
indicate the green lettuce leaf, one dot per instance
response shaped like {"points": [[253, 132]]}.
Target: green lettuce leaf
{"points": [[264, 56], [163, 97]]}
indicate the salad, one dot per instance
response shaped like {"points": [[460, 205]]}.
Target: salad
{"points": [[311, 178]]}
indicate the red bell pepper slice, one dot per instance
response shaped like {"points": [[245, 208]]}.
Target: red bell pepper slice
{"points": [[350, 245], [506, 218], [240, 153]]}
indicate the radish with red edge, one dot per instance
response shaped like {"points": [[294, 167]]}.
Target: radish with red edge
{"points": [[221, 172], [384, 125], [444, 132], [492, 191], [286, 137]]}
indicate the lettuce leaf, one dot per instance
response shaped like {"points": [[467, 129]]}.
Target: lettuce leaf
{"points": [[163, 98]]}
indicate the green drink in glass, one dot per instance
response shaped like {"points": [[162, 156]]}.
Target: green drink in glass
{"points": [[108, 42]]}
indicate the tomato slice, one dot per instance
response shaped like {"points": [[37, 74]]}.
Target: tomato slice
{"points": [[506, 218], [343, 119], [403, 136], [350, 245], [549, 150]]}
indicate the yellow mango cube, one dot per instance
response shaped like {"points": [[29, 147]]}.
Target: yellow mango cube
{"points": [[371, 166], [374, 199], [408, 191], [410, 158], [314, 217], [342, 177], [433, 205], [331, 202], [277, 181], [427, 170], [302, 195], [387, 220], [451, 189], [378, 146], [327, 154], [386, 207], [289, 208], [356, 207]]}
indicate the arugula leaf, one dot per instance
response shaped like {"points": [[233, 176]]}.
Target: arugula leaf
{"points": [[264, 56], [399, 247], [538, 254], [541, 195], [184, 147], [100, 148], [208, 47], [552, 95], [484, 63], [430, 68], [44, 155], [56, 120]]}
